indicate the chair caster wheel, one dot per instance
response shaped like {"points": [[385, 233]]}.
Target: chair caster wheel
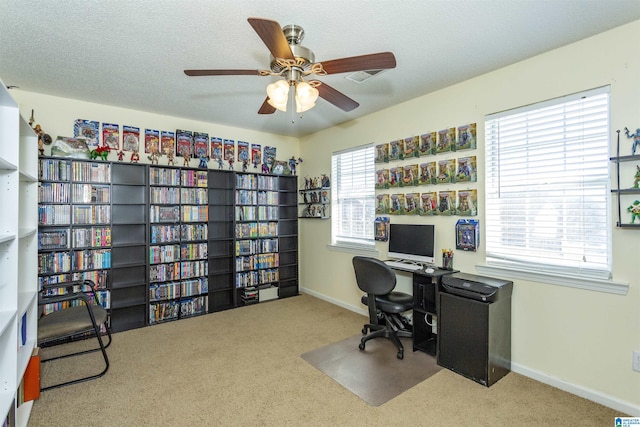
{"points": [[364, 331], [361, 346], [400, 355]]}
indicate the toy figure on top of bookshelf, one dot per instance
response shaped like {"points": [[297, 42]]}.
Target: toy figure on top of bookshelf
{"points": [[154, 156], [293, 163], [135, 157], [412, 147], [120, 155], [203, 162], [428, 143], [186, 156], [428, 203], [170, 156], [466, 137], [636, 139]]}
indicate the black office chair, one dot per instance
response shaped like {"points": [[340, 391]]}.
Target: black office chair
{"points": [[385, 305], [78, 316]]}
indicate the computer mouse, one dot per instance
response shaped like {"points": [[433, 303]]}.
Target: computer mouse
{"points": [[429, 270]]}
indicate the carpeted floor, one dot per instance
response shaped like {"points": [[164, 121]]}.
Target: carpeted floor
{"points": [[374, 375], [242, 367]]}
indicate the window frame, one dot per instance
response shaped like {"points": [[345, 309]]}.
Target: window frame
{"points": [[351, 242], [509, 266]]}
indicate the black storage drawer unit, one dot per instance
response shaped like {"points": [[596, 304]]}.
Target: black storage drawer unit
{"points": [[474, 327]]}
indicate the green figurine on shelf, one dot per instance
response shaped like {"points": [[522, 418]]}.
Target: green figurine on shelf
{"points": [[634, 209], [636, 177]]}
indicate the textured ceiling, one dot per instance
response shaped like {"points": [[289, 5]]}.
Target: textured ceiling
{"points": [[132, 53]]}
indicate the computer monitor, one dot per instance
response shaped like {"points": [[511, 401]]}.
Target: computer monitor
{"points": [[414, 242]]}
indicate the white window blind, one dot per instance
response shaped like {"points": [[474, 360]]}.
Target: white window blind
{"points": [[547, 186], [353, 197]]}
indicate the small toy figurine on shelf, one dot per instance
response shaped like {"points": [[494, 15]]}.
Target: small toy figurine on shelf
{"points": [[230, 163], [154, 156], [43, 138], [256, 161], [220, 164], [325, 181], [265, 168], [170, 156], [634, 209], [135, 157], [307, 183], [102, 152], [120, 155], [203, 162], [293, 163], [245, 164], [186, 156], [636, 139], [636, 177]]}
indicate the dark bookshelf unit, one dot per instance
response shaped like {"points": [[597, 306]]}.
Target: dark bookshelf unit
{"points": [[222, 293], [74, 224], [129, 246], [167, 242], [178, 252]]}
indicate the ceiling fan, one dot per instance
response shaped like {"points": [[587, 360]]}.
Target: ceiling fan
{"points": [[293, 62]]}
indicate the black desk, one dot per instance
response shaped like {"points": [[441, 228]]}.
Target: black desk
{"points": [[425, 312]]}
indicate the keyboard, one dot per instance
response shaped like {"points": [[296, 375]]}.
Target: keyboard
{"points": [[404, 265]]}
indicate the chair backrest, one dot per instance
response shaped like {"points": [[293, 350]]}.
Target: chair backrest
{"points": [[373, 276]]}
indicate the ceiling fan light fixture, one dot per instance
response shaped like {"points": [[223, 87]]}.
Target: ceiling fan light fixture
{"points": [[306, 96], [278, 93]]}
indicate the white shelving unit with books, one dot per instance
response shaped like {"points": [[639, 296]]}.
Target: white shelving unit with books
{"points": [[18, 249]]}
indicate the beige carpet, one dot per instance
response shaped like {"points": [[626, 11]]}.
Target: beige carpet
{"points": [[243, 367], [374, 375]]}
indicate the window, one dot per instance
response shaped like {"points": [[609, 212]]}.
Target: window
{"points": [[353, 197], [547, 187]]}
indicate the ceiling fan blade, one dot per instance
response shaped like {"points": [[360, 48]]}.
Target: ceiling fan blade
{"points": [[266, 108], [372, 61], [271, 34], [195, 73], [335, 97]]}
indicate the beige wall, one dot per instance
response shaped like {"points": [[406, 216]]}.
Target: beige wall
{"points": [[579, 340], [57, 115]]}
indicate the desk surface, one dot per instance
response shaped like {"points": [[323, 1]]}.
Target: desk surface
{"points": [[436, 273]]}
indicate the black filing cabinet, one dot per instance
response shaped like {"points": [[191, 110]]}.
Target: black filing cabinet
{"points": [[474, 327]]}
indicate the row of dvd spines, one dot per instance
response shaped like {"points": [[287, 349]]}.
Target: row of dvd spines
{"points": [[99, 277], [104, 299], [61, 214], [255, 229], [55, 170], [250, 247], [176, 233], [175, 177], [171, 310], [172, 253], [256, 277], [64, 262], [175, 290], [252, 197], [177, 213], [263, 182], [178, 270], [264, 213], [175, 195], [256, 262], [91, 172]]}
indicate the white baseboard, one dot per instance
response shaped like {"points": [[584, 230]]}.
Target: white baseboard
{"points": [[625, 408]]}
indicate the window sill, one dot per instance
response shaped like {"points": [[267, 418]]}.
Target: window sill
{"points": [[355, 249], [587, 283]]}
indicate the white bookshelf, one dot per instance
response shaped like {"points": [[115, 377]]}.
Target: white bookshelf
{"points": [[18, 253]]}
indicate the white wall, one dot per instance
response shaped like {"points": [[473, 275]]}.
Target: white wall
{"points": [[575, 339], [57, 115]]}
